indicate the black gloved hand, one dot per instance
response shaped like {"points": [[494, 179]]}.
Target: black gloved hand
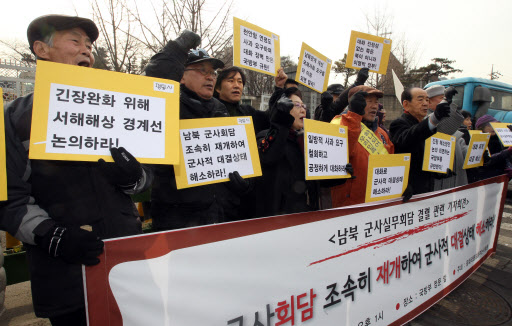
{"points": [[357, 103], [188, 40], [362, 76], [442, 111], [449, 93], [126, 171], [239, 185], [509, 128], [285, 104], [408, 192], [281, 114], [326, 100], [72, 244], [349, 169]]}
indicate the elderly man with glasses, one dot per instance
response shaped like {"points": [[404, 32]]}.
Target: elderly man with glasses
{"points": [[196, 71]]}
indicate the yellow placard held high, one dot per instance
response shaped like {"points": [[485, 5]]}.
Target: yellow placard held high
{"points": [[368, 51], [476, 149], [439, 153], [79, 113], [210, 149], [388, 176], [325, 150], [504, 134], [255, 48], [3, 171], [313, 69]]}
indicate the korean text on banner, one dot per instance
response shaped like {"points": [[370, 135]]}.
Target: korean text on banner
{"points": [[325, 150], [79, 113], [255, 48], [212, 148], [313, 69], [388, 176], [368, 51], [386, 262], [475, 154], [3, 169], [439, 153], [503, 133]]}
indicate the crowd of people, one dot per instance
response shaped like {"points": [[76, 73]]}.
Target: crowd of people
{"points": [[62, 210]]}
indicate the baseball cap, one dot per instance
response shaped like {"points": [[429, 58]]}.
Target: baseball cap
{"points": [[200, 55], [367, 89], [44, 26]]}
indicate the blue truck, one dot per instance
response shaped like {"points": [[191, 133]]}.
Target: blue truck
{"points": [[481, 96]]}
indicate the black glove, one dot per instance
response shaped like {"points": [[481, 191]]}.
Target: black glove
{"points": [[72, 244], [362, 76], [509, 128], [349, 169], [326, 99], [126, 171], [188, 40], [239, 185], [357, 103], [442, 110], [449, 93], [281, 114], [408, 192]]}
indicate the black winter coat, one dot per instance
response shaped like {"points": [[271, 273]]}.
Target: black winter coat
{"points": [[260, 119], [408, 135], [283, 188], [68, 193]]}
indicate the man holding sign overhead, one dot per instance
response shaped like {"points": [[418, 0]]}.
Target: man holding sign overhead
{"points": [[62, 209], [365, 137]]}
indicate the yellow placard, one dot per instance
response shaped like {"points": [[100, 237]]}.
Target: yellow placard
{"points": [[215, 148], [106, 95], [474, 132], [476, 148], [504, 134], [255, 48], [368, 51], [371, 142], [437, 149], [3, 169], [313, 69], [388, 176], [325, 150]]}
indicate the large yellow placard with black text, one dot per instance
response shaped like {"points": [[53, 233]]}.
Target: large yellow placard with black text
{"points": [[213, 148], [368, 51], [80, 113]]}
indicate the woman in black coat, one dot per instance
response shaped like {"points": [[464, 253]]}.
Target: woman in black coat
{"points": [[283, 188]]}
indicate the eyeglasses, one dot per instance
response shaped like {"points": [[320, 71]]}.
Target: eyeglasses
{"points": [[205, 72], [298, 104]]}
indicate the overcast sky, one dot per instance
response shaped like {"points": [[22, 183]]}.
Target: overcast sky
{"points": [[474, 33]]}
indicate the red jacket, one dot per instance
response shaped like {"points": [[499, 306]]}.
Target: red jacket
{"points": [[354, 190]]}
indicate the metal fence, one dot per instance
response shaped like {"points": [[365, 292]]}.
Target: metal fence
{"points": [[16, 79]]}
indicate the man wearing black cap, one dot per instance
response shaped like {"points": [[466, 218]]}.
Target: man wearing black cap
{"points": [[61, 209], [196, 71]]}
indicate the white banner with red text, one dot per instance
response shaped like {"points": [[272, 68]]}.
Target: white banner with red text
{"points": [[380, 264]]}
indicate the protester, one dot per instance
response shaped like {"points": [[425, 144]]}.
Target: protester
{"points": [[331, 94], [362, 111], [337, 106], [450, 125], [499, 161], [281, 148], [466, 126], [196, 71], [282, 82], [409, 132], [61, 209], [229, 88], [381, 114], [3, 281]]}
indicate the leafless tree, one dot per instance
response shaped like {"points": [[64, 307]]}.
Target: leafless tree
{"points": [[18, 51], [170, 17], [117, 40]]}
